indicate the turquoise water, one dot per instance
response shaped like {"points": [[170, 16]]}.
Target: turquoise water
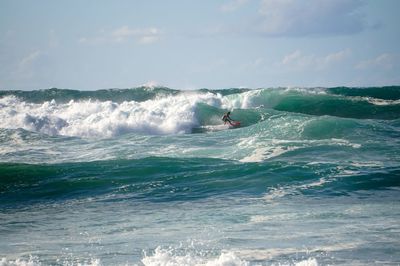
{"points": [[152, 176]]}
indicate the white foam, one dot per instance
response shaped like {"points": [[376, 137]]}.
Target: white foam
{"points": [[264, 97], [261, 154], [256, 156], [19, 262], [343, 142], [260, 151], [265, 255], [306, 90], [255, 219], [244, 100], [91, 118], [227, 259], [277, 192], [380, 102], [367, 164], [308, 262], [167, 257], [282, 191], [216, 127]]}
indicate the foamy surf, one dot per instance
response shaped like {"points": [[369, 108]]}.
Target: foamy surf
{"points": [[167, 257], [92, 118]]}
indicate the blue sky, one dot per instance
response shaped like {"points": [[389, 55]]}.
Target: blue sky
{"points": [[94, 44]]}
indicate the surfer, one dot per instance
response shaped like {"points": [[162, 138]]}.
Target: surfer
{"points": [[227, 118]]}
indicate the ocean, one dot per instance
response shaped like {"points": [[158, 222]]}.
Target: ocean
{"points": [[152, 176]]}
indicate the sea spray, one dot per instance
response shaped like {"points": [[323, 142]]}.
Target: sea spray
{"points": [[93, 118]]}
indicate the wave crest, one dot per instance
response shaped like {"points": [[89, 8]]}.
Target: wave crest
{"points": [[94, 118]]}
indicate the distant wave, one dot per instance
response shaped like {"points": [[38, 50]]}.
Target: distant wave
{"points": [[384, 93], [65, 95]]}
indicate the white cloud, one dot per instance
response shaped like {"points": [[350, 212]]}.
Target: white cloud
{"points": [[125, 33], [384, 60], [233, 5], [310, 17], [144, 35], [299, 61], [336, 57], [296, 58], [28, 66], [29, 59]]}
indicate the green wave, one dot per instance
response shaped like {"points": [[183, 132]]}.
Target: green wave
{"points": [[385, 93], [319, 103], [359, 103], [172, 179]]}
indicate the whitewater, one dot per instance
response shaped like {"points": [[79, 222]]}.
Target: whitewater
{"points": [[152, 176]]}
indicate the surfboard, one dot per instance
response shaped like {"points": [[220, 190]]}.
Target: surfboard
{"points": [[235, 124]]}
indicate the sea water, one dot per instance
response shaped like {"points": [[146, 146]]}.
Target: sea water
{"points": [[152, 176]]}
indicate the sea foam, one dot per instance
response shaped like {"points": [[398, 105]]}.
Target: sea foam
{"points": [[93, 118], [166, 257]]}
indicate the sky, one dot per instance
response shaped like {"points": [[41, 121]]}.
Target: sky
{"points": [[192, 44]]}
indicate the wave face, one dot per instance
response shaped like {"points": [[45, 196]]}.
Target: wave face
{"points": [[165, 179], [152, 176]]}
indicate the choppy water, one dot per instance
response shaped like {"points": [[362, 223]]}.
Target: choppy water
{"points": [[152, 176]]}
